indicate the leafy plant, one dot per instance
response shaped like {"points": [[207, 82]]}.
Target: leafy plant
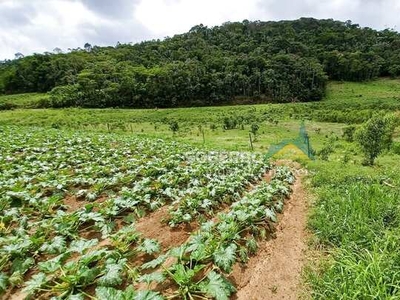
{"points": [[375, 136], [173, 126], [348, 133]]}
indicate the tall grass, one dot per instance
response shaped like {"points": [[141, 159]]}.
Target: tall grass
{"points": [[357, 222]]}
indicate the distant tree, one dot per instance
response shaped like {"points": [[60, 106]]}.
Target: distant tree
{"points": [[254, 128], [173, 126], [348, 133], [19, 55], [87, 47], [375, 136], [57, 50]]}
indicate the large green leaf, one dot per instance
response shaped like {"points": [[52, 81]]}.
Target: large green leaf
{"points": [[36, 282], [225, 257], [57, 245], [76, 297], [148, 295], [149, 246], [108, 293], [3, 282], [52, 265], [155, 262], [80, 246], [217, 286], [152, 277], [22, 265], [112, 275]]}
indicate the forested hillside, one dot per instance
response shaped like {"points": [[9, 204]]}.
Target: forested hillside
{"points": [[258, 61]]}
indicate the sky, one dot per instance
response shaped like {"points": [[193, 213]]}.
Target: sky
{"points": [[36, 26]]}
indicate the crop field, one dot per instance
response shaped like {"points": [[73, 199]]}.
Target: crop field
{"points": [[115, 204], [116, 217]]}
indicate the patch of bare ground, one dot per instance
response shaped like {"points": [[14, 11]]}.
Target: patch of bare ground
{"points": [[275, 272], [154, 226], [73, 203], [18, 295]]}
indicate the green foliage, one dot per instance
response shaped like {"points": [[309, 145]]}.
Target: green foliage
{"points": [[147, 295], [155, 262], [286, 61], [55, 246], [229, 122], [107, 293], [375, 136], [356, 220], [232, 63], [138, 175], [30, 100], [173, 126], [217, 286], [254, 128], [348, 133], [4, 281], [224, 258], [150, 246], [37, 281], [328, 148], [362, 273], [365, 215], [152, 277], [80, 246], [64, 96], [396, 148], [112, 273]]}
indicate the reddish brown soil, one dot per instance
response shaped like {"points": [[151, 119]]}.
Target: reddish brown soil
{"points": [[274, 273], [154, 226], [73, 204], [15, 295]]}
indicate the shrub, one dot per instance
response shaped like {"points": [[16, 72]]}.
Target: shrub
{"points": [[328, 148], [229, 123], [64, 96], [396, 148], [254, 128], [173, 126], [7, 106], [375, 136], [348, 133]]}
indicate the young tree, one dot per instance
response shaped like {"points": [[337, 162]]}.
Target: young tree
{"points": [[88, 47], [254, 128], [173, 126], [374, 136]]}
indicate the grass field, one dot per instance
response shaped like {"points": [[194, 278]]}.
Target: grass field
{"points": [[355, 217], [31, 100], [343, 104]]}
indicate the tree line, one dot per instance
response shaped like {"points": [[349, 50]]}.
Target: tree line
{"points": [[256, 61]]}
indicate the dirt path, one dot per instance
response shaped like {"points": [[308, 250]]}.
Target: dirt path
{"points": [[275, 272]]}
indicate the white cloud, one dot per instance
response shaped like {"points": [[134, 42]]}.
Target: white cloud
{"points": [[29, 26], [379, 14], [51, 24], [60, 23], [163, 17]]}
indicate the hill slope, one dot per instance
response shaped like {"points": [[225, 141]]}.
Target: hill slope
{"points": [[261, 61]]}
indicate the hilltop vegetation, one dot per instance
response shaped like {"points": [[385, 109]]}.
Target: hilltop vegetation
{"points": [[258, 61]]}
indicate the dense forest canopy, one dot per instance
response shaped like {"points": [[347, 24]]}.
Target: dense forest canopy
{"points": [[258, 61]]}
